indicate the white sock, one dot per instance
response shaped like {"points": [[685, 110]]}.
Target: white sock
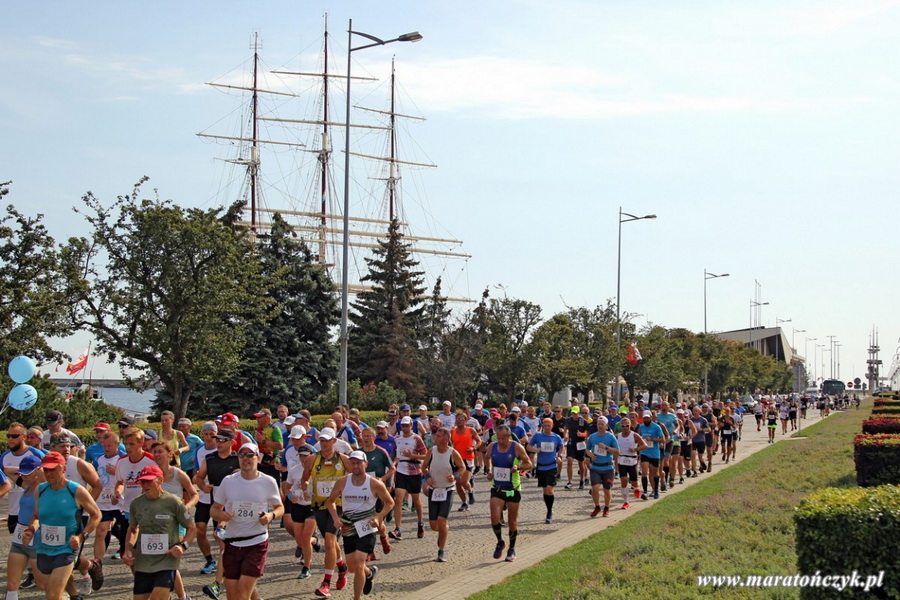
{"points": [[12, 595]]}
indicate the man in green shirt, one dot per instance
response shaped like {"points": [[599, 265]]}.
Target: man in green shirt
{"points": [[152, 547], [270, 442]]}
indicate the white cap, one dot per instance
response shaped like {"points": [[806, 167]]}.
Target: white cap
{"points": [[407, 420], [423, 407], [679, 412], [648, 414], [516, 409], [359, 455], [447, 403], [327, 433], [289, 420], [298, 432], [249, 446], [381, 424], [604, 419], [479, 406], [524, 404]]}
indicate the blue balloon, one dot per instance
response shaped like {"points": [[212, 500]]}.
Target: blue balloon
{"points": [[21, 369], [23, 397]]}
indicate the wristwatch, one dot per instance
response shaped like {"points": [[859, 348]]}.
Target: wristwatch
{"points": [[184, 545]]}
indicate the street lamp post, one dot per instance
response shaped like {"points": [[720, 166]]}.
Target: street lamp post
{"points": [[816, 363], [830, 357], [806, 356], [629, 218], [706, 277], [793, 333], [754, 304], [837, 361], [778, 339], [345, 264]]}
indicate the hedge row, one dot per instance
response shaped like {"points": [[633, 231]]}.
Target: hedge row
{"points": [[881, 425], [844, 531], [877, 459]]}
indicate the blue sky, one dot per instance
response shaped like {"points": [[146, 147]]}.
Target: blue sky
{"points": [[762, 134]]}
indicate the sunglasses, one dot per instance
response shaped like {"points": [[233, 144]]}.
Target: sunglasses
{"points": [[247, 454], [13, 436]]}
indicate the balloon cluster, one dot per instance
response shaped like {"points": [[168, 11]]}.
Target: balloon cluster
{"points": [[23, 396]]}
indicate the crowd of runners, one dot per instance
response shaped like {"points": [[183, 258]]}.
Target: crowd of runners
{"points": [[145, 498]]}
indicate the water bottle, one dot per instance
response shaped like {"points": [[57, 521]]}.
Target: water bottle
{"points": [[220, 532]]}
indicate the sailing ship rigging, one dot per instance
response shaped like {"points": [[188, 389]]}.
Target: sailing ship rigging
{"points": [[315, 215]]}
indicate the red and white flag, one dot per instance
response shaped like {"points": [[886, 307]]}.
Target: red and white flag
{"points": [[78, 365], [634, 355]]}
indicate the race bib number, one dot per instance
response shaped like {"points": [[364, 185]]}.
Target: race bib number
{"points": [[363, 527], [726, 432], [323, 488], [581, 445], [502, 474], [440, 494], [651, 445], [548, 447], [598, 451], [53, 535], [627, 461], [106, 496], [18, 533], [154, 544], [248, 511]]}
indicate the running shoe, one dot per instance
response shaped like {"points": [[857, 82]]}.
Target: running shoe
{"points": [[298, 552], [463, 507], [581, 484], [510, 555], [681, 479], [595, 512], [549, 519], [643, 496], [116, 556], [626, 506], [95, 571], [693, 474], [304, 573], [568, 487], [709, 468], [656, 494], [396, 535], [440, 557], [317, 547], [370, 581], [637, 493], [471, 498], [371, 557], [476, 471], [324, 590], [605, 511], [28, 582], [421, 531], [341, 581], [85, 586], [209, 568], [498, 551], [385, 545], [663, 487], [213, 590]]}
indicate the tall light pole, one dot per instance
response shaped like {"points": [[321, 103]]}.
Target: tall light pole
{"points": [[706, 277], [778, 339], [754, 304], [837, 361], [345, 264], [629, 218], [830, 357], [806, 356], [816, 364]]}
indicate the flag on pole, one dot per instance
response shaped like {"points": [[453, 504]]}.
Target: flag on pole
{"points": [[78, 365]]}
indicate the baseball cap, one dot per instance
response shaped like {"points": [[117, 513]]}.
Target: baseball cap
{"points": [[623, 410], [149, 473], [264, 412], [52, 460], [423, 407], [101, 425], [28, 464], [446, 403], [647, 414], [679, 411], [298, 432], [359, 455], [228, 419], [209, 426], [406, 421], [289, 420], [516, 409], [150, 434], [604, 419], [59, 439], [185, 422], [381, 424], [327, 433], [225, 435], [479, 406], [405, 407], [126, 421], [52, 417], [249, 446]]}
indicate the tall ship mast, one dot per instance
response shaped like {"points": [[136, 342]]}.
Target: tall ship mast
{"points": [[285, 122]]}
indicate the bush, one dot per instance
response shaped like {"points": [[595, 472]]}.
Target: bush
{"points": [[877, 459], [886, 410], [839, 531], [881, 402], [881, 425]]}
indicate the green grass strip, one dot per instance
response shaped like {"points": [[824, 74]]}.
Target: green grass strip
{"points": [[737, 522]]}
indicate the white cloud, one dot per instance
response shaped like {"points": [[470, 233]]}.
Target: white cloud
{"points": [[55, 43]]}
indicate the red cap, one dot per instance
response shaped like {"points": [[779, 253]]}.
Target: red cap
{"points": [[53, 460], [149, 472], [101, 425], [229, 419]]}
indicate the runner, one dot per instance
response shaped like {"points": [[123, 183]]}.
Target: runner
{"points": [[784, 412], [320, 472], [758, 413], [298, 518], [381, 466], [438, 471], [410, 453], [59, 506], [358, 519], [602, 450], [711, 436], [771, 422], [201, 516], [698, 442], [687, 431], [448, 419], [247, 501], [110, 514], [727, 433], [54, 422], [153, 548], [630, 445], [270, 442], [547, 448], [669, 421], [172, 438], [215, 468], [654, 436], [18, 449], [95, 450], [792, 413], [188, 458], [467, 442], [503, 462], [22, 555], [576, 442]]}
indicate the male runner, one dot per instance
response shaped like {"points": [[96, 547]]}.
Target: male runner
{"points": [[547, 447], [602, 450], [630, 445], [410, 453], [438, 468], [654, 436], [503, 462]]}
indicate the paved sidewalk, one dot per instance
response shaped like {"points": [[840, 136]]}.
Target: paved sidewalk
{"points": [[410, 573]]}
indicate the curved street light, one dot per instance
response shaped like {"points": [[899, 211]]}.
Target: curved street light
{"points": [[414, 36], [706, 277]]}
